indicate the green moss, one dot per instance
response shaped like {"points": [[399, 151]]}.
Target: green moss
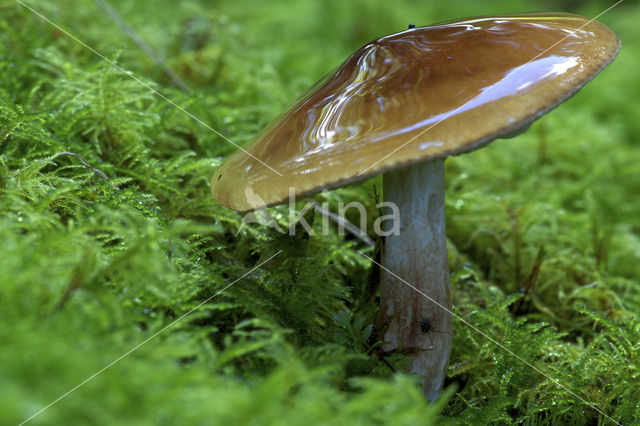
{"points": [[544, 233]]}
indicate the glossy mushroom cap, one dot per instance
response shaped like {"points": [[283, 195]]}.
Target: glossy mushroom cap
{"points": [[424, 93]]}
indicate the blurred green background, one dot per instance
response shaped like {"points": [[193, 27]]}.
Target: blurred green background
{"points": [[90, 268]]}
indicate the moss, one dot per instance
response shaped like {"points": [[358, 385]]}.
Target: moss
{"points": [[543, 233]]}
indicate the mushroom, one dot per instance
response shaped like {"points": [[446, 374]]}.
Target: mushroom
{"points": [[399, 106]]}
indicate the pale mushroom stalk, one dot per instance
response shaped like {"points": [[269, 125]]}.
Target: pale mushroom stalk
{"points": [[418, 255]]}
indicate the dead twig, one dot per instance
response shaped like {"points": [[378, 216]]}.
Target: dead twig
{"points": [[155, 56], [345, 223], [84, 163], [527, 286]]}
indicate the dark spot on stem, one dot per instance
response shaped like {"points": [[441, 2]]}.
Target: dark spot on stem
{"points": [[425, 325]]}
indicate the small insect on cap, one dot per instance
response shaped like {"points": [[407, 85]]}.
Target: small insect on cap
{"points": [[424, 93]]}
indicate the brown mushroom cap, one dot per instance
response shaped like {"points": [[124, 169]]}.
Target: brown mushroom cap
{"points": [[424, 93]]}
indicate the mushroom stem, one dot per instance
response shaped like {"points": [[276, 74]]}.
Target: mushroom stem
{"points": [[418, 255]]}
